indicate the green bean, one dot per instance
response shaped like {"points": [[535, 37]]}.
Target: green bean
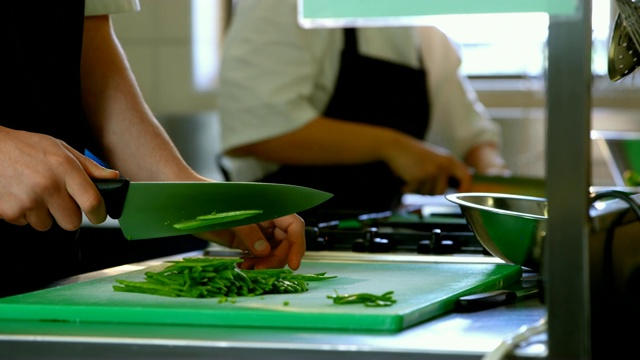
{"points": [[218, 277], [214, 218], [367, 299]]}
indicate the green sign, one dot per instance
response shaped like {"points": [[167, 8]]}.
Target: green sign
{"points": [[327, 13]]}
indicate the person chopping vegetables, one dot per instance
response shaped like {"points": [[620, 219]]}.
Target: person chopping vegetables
{"points": [[68, 87], [366, 114]]}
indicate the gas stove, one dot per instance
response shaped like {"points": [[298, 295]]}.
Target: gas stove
{"points": [[422, 227], [394, 233]]}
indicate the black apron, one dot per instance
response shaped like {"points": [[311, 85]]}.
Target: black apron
{"points": [[42, 43], [370, 91]]}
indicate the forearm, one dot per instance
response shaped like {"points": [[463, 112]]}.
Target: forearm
{"points": [[326, 141], [133, 141]]}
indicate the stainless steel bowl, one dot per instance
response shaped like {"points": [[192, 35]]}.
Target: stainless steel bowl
{"points": [[510, 227]]}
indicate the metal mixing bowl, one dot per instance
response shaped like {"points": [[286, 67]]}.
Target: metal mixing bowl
{"points": [[510, 227]]}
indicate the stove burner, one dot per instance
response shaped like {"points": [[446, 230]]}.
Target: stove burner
{"points": [[381, 233]]}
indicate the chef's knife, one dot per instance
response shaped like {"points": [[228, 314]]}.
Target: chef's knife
{"points": [[147, 210], [491, 299], [528, 287]]}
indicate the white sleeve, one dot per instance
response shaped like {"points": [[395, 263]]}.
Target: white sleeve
{"points": [[267, 73], [275, 77], [459, 120], [106, 7]]}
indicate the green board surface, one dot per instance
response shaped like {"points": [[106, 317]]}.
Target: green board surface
{"points": [[422, 290]]}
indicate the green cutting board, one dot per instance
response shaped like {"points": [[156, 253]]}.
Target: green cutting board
{"points": [[422, 290]]}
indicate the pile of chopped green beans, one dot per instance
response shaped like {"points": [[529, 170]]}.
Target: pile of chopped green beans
{"points": [[217, 277], [367, 299]]}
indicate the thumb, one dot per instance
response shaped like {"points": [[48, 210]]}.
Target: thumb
{"points": [[252, 240]]}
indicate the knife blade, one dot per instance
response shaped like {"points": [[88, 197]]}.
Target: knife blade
{"points": [[148, 210]]}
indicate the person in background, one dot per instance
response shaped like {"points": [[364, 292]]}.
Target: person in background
{"points": [[366, 114], [68, 87]]}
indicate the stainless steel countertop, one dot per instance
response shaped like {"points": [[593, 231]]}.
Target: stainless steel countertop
{"points": [[452, 336]]}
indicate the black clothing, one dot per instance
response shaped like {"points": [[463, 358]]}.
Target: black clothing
{"points": [[41, 64], [42, 94], [370, 91]]}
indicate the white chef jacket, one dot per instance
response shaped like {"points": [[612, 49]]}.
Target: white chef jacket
{"points": [[105, 7], [276, 77]]}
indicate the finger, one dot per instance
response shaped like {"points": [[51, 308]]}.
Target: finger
{"points": [[288, 244], [409, 188], [441, 184], [425, 187], [276, 259], [464, 176], [76, 194], [56, 203], [19, 220], [67, 213], [296, 252], [292, 227], [246, 238], [259, 263], [13, 209], [85, 198], [39, 219], [85, 194], [253, 240], [267, 229]]}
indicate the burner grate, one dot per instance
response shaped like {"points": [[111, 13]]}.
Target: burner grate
{"points": [[393, 234]]}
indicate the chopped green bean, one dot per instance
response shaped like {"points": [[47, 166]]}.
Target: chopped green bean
{"points": [[367, 299], [217, 277], [214, 218]]}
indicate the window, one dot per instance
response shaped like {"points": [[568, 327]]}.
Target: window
{"points": [[514, 44]]}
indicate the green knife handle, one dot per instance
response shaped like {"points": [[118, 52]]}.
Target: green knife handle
{"points": [[114, 193]]}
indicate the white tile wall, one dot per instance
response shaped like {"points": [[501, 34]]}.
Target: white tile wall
{"points": [[157, 41], [174, 19], [139, 26]]}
